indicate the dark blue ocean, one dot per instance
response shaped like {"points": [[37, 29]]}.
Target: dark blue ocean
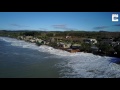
{"points": [[18, 62], [20, 59]]}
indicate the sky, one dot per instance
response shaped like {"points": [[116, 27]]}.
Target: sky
{"points": [[59, 21]]}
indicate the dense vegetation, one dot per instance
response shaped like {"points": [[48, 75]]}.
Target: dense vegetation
{"points": [[98, 35], [77, 36]]}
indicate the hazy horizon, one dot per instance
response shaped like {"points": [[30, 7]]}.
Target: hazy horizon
{"points": [[59, 31]]}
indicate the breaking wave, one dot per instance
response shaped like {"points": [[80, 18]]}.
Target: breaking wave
{"points": [[42, 48], [76, 65]]}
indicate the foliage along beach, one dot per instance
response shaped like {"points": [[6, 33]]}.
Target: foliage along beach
{"points": [[100, 43]]}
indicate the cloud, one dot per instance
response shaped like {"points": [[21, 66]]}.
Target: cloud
{"points": [[116, 25], [17, 25], [43, 29], [60, 26], [63, 26], [101, 27]]}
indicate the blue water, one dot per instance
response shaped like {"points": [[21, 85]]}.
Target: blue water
{"points": [[17, 62]]}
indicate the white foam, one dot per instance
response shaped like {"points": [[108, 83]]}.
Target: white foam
{"points": [[90, 66], [21, 43], [58, 52], [76, 65], [42, 48]]}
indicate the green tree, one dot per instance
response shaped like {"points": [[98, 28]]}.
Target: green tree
{"points": [[105, 48], [53, 44], [117, 49], [85, 47]]}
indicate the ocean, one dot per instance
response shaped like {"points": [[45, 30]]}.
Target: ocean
{"points": [[20, 59]]}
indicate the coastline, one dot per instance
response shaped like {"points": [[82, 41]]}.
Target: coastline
{"points": [[64, 50], [81, 64]]}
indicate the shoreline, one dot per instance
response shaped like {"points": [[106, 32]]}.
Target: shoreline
{"points": [[74, 65], [66, 49]]}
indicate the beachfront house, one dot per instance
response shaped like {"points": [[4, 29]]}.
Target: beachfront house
{"points": [[28, 38], [52, 40], [66, 45], [118, 42], [114, 44], [38, 40], [20, 37], [94, 49], [75, 46], [47, 42], [68, 37], [32, 40], [90, 41], [63, 45], [108, 42]]}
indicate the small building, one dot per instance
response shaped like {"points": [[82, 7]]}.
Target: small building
{"points": [[52, 40], [32, 40], [118, 42], [90, 41], [94, 49], [114, 44], [68, 36], [38, 40], [20, 37], [63, 45], [27, 38], [66, 45], [75, 46], [107, 41], [47, 42]]}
